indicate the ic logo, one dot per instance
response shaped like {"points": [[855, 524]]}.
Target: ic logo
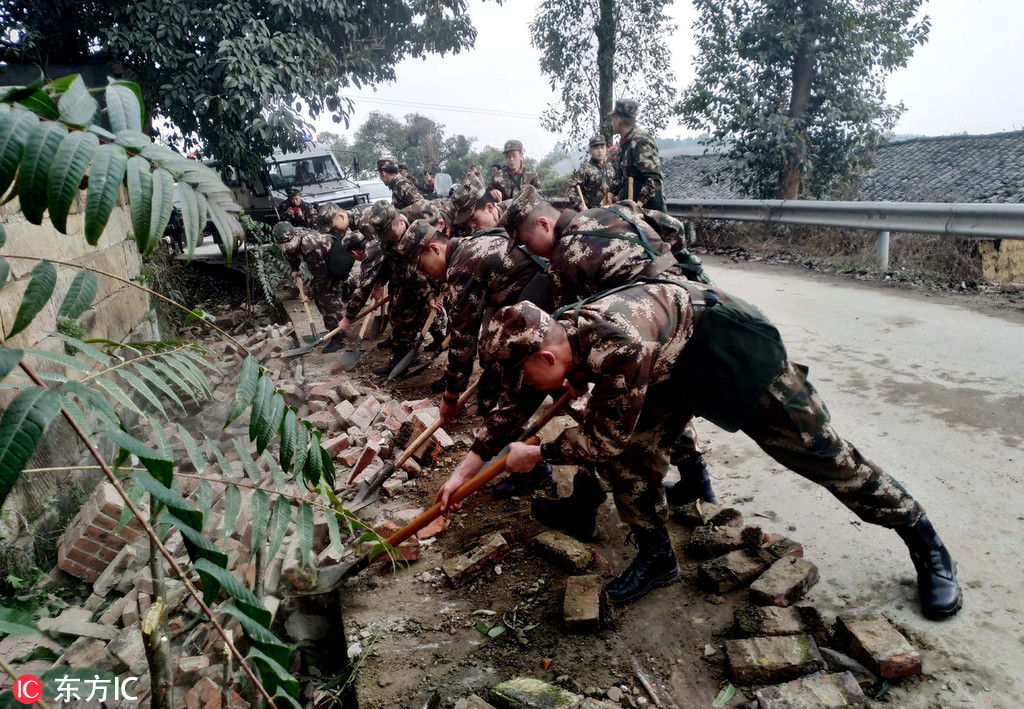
{"points": [[28, 689]]}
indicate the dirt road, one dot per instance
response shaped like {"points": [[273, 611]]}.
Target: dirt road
{"points": [[932, 389]]}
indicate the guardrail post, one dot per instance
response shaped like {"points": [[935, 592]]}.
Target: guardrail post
{"points": [[882, 248]]}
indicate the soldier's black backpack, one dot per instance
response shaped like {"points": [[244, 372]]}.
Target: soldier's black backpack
{"points": [[339, 260]]}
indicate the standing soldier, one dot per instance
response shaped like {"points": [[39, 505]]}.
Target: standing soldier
{"points": [[403, 191], [658, 354], [326, 290], [591, 252], [403, 170], [507, 183], [637, 158], [594, 177]]}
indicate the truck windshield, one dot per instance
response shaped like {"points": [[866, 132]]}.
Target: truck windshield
{"points": [[304, 171]]}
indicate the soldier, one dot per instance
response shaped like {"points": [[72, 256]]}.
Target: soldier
{"points": [[513, 177], [658, 353], [429, 186], [637, 158], [326, 290], [295, 210], [403, 170], [590, 252], [403, 191], [593, 177]]}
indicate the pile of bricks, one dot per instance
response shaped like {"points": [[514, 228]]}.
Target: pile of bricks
{"points": [[90, 542]]}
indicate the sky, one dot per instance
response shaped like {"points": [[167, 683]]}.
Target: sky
{"points": [[965, 79]]}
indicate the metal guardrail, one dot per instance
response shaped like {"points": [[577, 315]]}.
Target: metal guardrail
{"points": [[974, 220]]}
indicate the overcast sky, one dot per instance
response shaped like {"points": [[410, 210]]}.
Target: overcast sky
{"points": [[965, 79]]}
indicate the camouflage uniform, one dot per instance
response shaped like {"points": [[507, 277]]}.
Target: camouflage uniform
{"points": [[636, 346], [637, 157], [510, 185], [403, 192], [373, 271], [593, 179], [300, 215], [326, 291]]}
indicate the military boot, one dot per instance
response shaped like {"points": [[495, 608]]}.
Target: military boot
{"points": [[335, 344], [519, 484], [385, 369], [694, 484], [655, 565], [576, 515], [937, 586]]}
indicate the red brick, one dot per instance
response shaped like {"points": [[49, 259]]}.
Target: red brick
{"points": [[880, 646], [822, 692], [465, 566], [785, 582], [582, 606], [708, 541], [350, 457], [733, 570], [771, 660], [432, 529], [779, 546], [87, 545], [130, 614], [104, 522]]}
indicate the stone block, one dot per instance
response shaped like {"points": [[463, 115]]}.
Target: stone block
{"points": [[529, 693], [779, 546], [697, 513], [567, 552], [825, 691], [879, 646], [708, 541], [733, 570], [772, 620], [772, 660], [785, 582], [463, 567], [582, 606]]}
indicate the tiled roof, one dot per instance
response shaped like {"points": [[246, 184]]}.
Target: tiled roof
{"points": [[968, 168]]}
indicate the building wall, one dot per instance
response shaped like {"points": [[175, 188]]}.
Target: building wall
{"points": [[119, 312]]}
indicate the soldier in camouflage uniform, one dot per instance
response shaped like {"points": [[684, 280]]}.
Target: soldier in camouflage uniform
{"points": [[658, 353], [593, 177], [403, 191], [325, 290], [429, 186], [513, 177], [638, 158]]}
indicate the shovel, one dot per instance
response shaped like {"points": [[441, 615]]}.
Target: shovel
{"points": [[368, 491], [349, 357], [582, 201], [377, 323], [312, 336], [332, 578], [414, 350], [309, 348]]}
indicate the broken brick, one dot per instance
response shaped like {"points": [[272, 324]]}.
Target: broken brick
{"points": [[779, 546], [463, 567], [785, 582], [334, 446], [771, 660], [432, 529], [365, 413], [564, 550], [833, 691], [733, 570], [582, 606], [708, 541], [699, 512], [880, 646], [772, 620]]}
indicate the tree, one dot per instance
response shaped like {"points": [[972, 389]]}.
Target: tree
{"points": [[234, 78], [797, 87], [418, 141], [590, 48]]}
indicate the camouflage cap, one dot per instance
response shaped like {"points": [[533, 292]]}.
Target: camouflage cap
{"points": [[597, 141], [512, 335], [465, 198], [422, 209], [511, 145], [329, 211], [292, 191], [627, 108], [283, 231], [354, 241], [518, 211], [381, 216], [387, 164], [447, 209], [402, 166], [411, 243]]}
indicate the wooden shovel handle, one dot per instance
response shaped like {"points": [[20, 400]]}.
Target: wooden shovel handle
{"points": [[362, 330], [428, 323], [479, 480], [423, 437], [580, 193], [629, 195], [305, 300], [376, 304]]}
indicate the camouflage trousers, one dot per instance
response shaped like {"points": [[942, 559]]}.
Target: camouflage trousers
{"points": [[329, 298], [790, 423], [410, 309]]}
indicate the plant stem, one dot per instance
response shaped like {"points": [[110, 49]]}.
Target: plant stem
{"points": [[7, 668], [158, 648], [151, 533]]}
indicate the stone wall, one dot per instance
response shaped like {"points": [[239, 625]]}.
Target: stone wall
{"points": [[119, 312]]}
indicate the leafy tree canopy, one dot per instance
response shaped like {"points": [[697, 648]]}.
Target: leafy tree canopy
{"points": [[594, 49], [235, 77], [798, 86]]}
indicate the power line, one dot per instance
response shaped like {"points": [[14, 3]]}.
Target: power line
{"points": [[442, 107]]}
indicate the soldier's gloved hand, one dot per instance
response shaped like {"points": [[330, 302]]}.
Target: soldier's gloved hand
{"points": [[522, 457], [469, 467]]}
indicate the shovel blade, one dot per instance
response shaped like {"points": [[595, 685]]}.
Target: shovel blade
{"points": [[375, 328], [365, 496], [404, 363], [299, 351], [349, 358]]}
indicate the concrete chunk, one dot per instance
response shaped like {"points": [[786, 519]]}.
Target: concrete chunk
{"points": [[879, 646], [785, 582], [465, 566], [582, 607], [529, 693], [564, 550], [733, 570], [772, 660], [821, 692]]}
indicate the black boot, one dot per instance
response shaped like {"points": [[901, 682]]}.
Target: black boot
{"points": [[937, 586], [655, 565], [335, 344], [576, 515], [519, 484], [694, 484], [439, 385], [385, 369]]}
